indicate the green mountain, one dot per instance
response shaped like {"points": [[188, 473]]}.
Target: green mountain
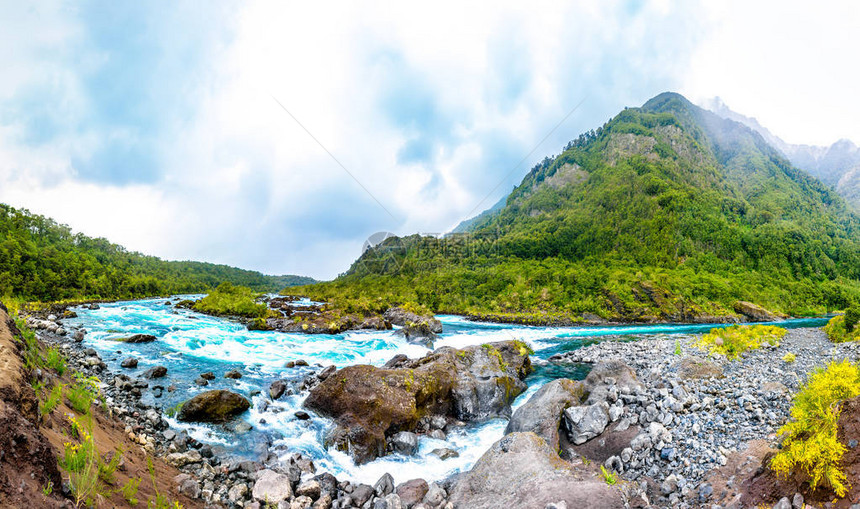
{"points": [[666, 212], [43, 260]]}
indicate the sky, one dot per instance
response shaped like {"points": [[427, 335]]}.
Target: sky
{"points": [[279, 135]]}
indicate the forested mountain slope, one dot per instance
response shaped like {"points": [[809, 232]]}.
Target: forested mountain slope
{"points": [[667, 212]]}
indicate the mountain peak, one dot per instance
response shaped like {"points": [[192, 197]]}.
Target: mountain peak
{"points": [[668, 101]]}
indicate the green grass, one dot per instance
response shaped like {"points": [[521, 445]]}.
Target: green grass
{"points": [[55, 360], [232, 300], [82, 393], [609, 478], [52, 400]]}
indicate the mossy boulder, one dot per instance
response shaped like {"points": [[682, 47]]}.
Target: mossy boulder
{"points": [[754, 312], [213, 406], [370, 404]]}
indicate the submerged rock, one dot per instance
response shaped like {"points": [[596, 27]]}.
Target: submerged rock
{"points": [[155, 372], [131, 362], [137, 338], [521, 470], [404, 442], [369, 403], [213, 406]]}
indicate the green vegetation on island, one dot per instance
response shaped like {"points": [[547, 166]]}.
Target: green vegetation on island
{"points": [[231, 300], [667, 212], [42, 260]]}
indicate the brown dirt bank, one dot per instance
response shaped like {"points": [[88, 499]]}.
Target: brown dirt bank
{"points": [[29, 446]]}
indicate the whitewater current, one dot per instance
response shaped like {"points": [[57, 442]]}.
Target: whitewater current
{"points": [[191, 343]]}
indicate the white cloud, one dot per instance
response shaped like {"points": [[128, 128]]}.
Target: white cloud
{"points": [[792, 65], [428, 106]]}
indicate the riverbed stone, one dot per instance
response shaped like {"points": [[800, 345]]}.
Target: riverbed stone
{"points": [[521, 470], [586, 422], [411, 492], [213, 406], [272, 487]]}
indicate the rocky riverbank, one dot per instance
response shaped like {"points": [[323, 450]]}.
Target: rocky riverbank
{"points": [[667, 424], [692, 413]]}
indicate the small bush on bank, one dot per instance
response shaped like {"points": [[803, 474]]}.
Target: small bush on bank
{"points": [[809, 439], [737, 339], [837, 329]]}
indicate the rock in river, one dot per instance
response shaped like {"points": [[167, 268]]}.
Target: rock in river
{"points": [[213, 406], [369, 404], [137, 338]]}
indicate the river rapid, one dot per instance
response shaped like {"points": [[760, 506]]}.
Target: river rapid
{"points": [[191, 343]]}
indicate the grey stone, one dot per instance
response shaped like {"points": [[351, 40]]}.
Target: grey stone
{"points": [[586, 422], [272, 487], [404, 442]]}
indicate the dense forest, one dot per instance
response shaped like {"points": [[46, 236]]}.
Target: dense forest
{"points": [[43, 260], [665, 212]]}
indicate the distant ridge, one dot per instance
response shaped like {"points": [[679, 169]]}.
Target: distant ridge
{"points": [[41, 259]]}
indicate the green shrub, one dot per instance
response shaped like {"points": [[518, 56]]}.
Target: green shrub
{"points": [[232, 300], [737, 339], [809, 439], [789, 358], [852, 316], [837, 332], [129, 491]]}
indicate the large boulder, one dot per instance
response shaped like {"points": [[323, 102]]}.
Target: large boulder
{"points": [[272, 488], [403, 318], [542, 413], [606, 379], [754, 312], [586, 422], [369, 404], [213, 406], [521, 470]]}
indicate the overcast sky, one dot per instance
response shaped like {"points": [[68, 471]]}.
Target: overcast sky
{"points": [[157, 124]]}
